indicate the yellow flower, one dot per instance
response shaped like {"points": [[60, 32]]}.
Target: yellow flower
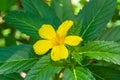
{"points": [[56, 40]]}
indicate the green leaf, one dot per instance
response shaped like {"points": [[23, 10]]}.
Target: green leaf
{"points": [[78, 73], [63, 9], [102, 50], [77, 57], [106, 56], [9, 41], [112, 34], [6, 4], [102, 46], [94, 16], [12, 76], [25, 22], [68, 74], [104, 73], [16, 59], [43, 69], [40, 8]]}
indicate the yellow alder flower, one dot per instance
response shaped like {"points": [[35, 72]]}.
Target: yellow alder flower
{"points": [[56, 40]]}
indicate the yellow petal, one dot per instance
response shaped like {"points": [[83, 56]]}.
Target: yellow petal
{"points": [[59, 52], [47, 32], [42, 46], [73, 40], [64, 27]]}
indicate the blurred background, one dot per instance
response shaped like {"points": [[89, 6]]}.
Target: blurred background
{"points": [[10, 36]]}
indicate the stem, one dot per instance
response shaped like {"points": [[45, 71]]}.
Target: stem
{"points": [[74, 71]]}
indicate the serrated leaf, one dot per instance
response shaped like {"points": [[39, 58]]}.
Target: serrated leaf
{"points": [[102, 50], [106, 56], [16, 59], [63, 9], [102, 46], [78, 73], [112, 34], [43, 69], [94, 16], [12, 76], [105, 73], [40, 8], [25, 22]]}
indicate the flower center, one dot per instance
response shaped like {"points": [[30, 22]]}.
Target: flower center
{"points": [[58, 40]]}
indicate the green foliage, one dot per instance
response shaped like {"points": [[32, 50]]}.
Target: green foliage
{"points": [[40, 8], [102, 46], [12, 76], [6, 4], [63, 9], [25, 22], [16, 59], [94, 17], [43, 69], [89, 23], [77, 57], [78, 73], [68, 74], [102, 50], [109, 73], [111, 34], [106, 56]]}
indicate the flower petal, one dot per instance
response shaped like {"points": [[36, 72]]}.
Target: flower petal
{"points": [[64, 27], [47, 32], [42, 46], [59, 52], [73, 40]]}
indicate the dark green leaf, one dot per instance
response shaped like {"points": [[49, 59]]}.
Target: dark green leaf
{"points": [[12, 76], [78, 73], [25, 22], [43, 70], [105, 73], [102, 50], [63, 9], [40, 8], [9, 40], [94, 16], [112, 34], [16, 59]]}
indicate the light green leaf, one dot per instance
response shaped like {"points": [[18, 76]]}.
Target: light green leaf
{"points": [[40, 8], [68, 74], [112, 34], [105, 73], [102, 50], [16, 59], [25, 22], [94, 16], [106, 56], [78, 73], [43, 70], [12, 76], [63, 9], [102, 46]]}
